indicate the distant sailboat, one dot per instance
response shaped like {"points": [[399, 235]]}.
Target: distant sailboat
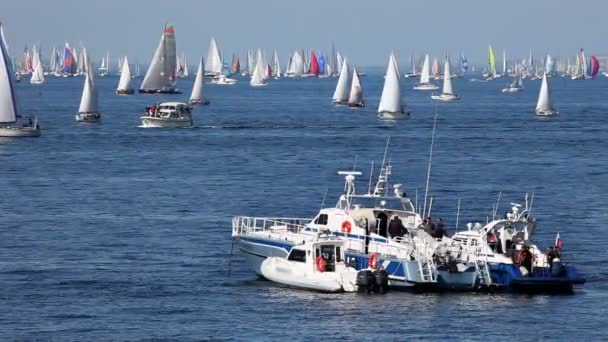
{"points": [[104, 68], [355, 99], [257, 79], [595, 66], [276, 65], [88, 110], [160, 77], [544, 106], [412, 72], [197, 97], [9, 126], [436, 69], [492, 64], [38, 73], [124, 84], [448, 92], [425, 77], [390, 102], [341, 93], [313, 70], [214, 64], [516, 85]]}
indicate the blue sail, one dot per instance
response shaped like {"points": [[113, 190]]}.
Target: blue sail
{"points": [[321, 61]]}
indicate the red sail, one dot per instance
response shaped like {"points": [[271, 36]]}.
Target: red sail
{"points": [[314, 64], [595, 66], [237, 67]]}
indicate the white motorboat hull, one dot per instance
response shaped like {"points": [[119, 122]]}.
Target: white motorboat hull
{"points": [[290, 273], [258, 84], [511, 90], [393, 115], [426, 86], [88, 117], [546, 112], [154, 122], [203, 102], [18, 132], [445, 97]]}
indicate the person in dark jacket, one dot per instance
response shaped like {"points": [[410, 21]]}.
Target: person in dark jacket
{"points": [[382, 221], [396, 228], [437, 230], [552, 254]]}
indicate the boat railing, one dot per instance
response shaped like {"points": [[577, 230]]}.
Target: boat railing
{"points": [[245, 225]]}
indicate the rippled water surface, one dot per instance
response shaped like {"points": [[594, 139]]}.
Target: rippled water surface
{"points": [[114, 232]]}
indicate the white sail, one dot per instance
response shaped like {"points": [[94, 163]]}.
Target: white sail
{"points": [[38, 73], [341, 92], [356, 93], [259, 65], [297, 64], [214, 63], [88, 101], [276, 65], [256, 78], [124, 84], [390, 101], [425, 73], [161, 72], [544, 103], [197, 89], [185, 72], [8, 106], [447, 78], [339, 59]]}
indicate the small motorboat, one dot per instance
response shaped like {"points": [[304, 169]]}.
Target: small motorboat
{"points": [[167, 114], [223, 80], [317, 265]]}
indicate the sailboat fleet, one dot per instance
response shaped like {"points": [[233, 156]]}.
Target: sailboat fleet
{"points": [[166, 67]]}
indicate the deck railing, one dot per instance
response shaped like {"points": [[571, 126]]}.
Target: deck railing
{"points": [[245, 225]]}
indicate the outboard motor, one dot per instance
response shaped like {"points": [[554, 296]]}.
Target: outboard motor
{"points": [[381, 281], [558, 268], [366, 282]]}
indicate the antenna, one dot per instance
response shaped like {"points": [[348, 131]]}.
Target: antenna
{"points": [[457, 214], [355, 163], [371, 172], [323, 200], [428, 172], [385, 151], [496, 207]]}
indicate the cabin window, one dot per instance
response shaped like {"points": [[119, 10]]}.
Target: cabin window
{"points": [[474, 242], [338, 255], [321, 220], [297, 255]]}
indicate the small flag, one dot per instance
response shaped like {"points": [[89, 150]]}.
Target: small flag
{"points": [[558, 242]]}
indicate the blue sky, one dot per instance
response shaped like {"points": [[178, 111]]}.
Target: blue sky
{"points": [[365, 31]]}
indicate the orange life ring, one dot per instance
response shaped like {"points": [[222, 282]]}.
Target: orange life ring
{"points": [[321, 265], [346, 227], [372, 262]]}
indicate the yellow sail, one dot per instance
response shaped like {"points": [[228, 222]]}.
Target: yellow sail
{"points": [[492, 61]]}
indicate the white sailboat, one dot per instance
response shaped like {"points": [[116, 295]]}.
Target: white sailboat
{"points": [[425, 77], [355, 99], [9, 126], [38, 73], [390, 102], [214, 64], [516, 85], [88, 110], [341, 93], [276, 65], [124, 84], [257, 78], [160, 77], [448, 91], [104, 69], [544, 106], [197, 98]]}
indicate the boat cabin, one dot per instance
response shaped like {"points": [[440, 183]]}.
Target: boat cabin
{"points": [[169, 110], [330, 250]]}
